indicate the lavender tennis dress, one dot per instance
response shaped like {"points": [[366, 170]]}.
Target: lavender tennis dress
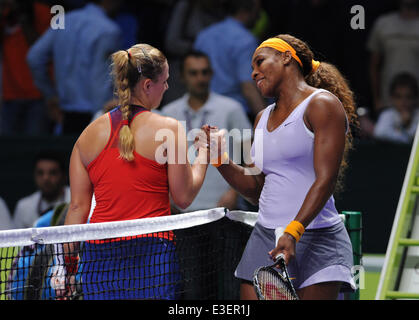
{"points": [[324, 253]]}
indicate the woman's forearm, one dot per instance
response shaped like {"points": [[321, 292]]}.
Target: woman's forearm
{"points": [[198, 170], [73, 217], [314, 202], [245, 180]]}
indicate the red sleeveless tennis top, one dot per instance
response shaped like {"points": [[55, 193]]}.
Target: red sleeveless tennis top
{"points": [[126, 190]]}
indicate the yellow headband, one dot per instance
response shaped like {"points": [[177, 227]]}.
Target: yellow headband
{"points": [[282, 46]]}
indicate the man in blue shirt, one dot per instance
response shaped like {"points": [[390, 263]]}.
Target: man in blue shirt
{"points": [[80, 54], [230, 46], [201, 106]]}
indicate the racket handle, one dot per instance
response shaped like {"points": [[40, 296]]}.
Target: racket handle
{"points": [[280, 255]]}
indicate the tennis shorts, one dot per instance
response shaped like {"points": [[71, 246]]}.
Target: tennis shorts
{"points": [[140, 268], [322, 255]]}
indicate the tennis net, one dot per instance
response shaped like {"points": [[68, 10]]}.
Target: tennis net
{"points": [[190, 256]]}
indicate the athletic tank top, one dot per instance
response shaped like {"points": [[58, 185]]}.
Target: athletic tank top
{"points": [[287, 162], [126, 190]]}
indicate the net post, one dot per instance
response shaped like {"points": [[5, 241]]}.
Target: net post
{"points": [[353, 224]]}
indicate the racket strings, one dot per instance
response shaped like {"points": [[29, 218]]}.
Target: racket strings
{"points": [[273, 286]]}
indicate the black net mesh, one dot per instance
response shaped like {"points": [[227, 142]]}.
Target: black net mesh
{"points": [[194, 263]]}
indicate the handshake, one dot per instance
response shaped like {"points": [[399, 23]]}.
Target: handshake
{"points": [[213, 141]]}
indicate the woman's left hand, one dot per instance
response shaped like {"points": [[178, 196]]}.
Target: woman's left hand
{"points": [[286, 245]]}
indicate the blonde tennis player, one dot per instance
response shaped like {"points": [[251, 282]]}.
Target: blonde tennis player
{"points": [[117, 158]]}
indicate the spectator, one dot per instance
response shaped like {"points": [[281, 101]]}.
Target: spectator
{"points": [[35, 267], [393, 43], [230, 46], [201, 106], [54, 217], [50, 180], [399, 122], [21, 23], [80, 54], [188, 18], [5, 217]]}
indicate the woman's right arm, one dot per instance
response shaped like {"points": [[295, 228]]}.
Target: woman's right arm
{"points": [[185, 180], [244, 180], [81, 190]]}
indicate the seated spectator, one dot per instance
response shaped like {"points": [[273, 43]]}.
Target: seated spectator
{"points": [[80, 53], [6, 222], [393, 44], [35, 267], [201, 106], [399, 122], [50, 179], [53, 217], [23, 110]]}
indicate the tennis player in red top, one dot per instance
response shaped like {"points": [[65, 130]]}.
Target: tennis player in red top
{"points": [[115, 158]]}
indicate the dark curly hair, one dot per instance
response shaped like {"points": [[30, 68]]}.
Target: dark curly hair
{"points": [[327, 77]]}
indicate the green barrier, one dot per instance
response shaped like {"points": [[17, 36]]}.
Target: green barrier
{"points": [[353, 224], [7, 256]]}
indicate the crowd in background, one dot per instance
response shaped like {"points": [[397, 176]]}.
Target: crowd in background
{"points": [[55, 82]]}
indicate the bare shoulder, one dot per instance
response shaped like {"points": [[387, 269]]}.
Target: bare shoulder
{"points": [[94, 138], [96, 131], [324, 107], [165, 122], [325, 100]]}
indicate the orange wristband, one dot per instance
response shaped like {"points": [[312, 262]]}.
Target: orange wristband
{"points": [[296, 229], [221, 160]]}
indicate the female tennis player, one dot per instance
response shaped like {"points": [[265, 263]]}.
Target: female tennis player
{"points": [[115, 158], [305, 137]]}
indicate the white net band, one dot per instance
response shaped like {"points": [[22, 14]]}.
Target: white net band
{"points": [[106, 230]]}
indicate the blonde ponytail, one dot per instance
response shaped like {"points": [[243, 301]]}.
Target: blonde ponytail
{"points": [[126, 138], [128, 66], [123, 92]]}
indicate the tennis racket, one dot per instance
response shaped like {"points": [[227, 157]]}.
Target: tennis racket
{"points": [[274, 284]]}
